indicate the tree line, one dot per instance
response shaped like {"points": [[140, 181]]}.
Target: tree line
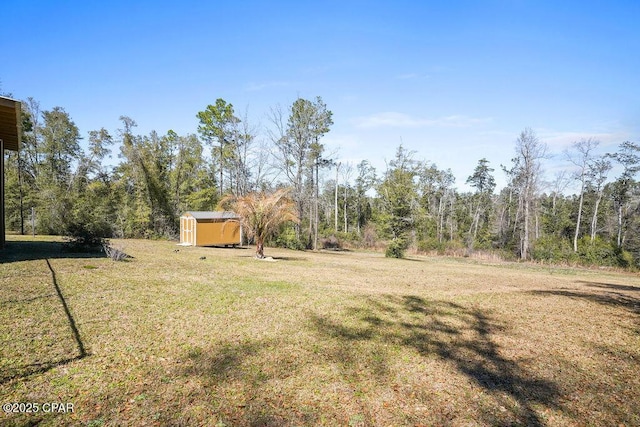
{"points": [[128, 185]]}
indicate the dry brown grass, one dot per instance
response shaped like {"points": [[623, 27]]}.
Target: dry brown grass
{"points": [[335, 338]]}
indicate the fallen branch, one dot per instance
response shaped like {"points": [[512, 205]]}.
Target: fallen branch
{"points": [[116, 254]]}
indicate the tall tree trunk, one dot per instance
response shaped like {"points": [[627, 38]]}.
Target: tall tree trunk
{"points": [[316, 215], [594, 220], [221, 167], [517, 218], [451, 220], [358, 215], [501, 222], [344, 209], [620, 226], [509, 208], [525, 238], [310, 210], [473, 219], [440, 220], [575, 236], [21, 193], [336, 198], [299, 204], [474, 222]]}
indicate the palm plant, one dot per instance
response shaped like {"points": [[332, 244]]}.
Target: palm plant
{"points": [[262, 214]]}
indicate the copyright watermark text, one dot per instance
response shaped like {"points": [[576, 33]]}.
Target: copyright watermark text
{"points": [[36, 407]]}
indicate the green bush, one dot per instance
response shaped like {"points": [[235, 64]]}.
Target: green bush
{"points": [[351, 239], [331, 242], [484, 240], [553, 249], [597, 252], [81, 238], [396, 248], [455, 247], [431, 244], [624, 258], [287, 239]]}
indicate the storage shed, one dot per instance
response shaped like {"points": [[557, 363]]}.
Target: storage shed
{"points": [[220, 228], [10, 121]]}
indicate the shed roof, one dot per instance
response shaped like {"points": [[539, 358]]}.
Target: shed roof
{"points": [[10, 123], [213, 214]]}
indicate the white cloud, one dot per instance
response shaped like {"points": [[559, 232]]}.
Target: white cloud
{"points": [[558, 141], [394, 119]]}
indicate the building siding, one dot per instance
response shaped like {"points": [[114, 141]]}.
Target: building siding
{"points": [[212, 231]]}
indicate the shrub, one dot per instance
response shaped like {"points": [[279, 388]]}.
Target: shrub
{"points": [[330, 242], [431, 244], [624, 258], [553, 249], [81, 238], [369, 236], [454, 247], [597, 252], [396, 248], [287, 239]]}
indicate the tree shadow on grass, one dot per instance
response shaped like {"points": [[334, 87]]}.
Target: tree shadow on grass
{"points": [[239, 372], [25, 371], [352, 356], [223, 364], [610, 286], [289, 258], [610, 299], [30, 251], [607, 294], [453, 333], [36, 368]]}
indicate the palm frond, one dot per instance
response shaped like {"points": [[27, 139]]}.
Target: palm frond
{"points": [[262, 213]]}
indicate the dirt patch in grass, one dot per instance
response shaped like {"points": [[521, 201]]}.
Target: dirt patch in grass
{"points": [[334, 338]]}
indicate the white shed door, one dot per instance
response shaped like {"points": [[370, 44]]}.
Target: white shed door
{"points": [[188, 232]]}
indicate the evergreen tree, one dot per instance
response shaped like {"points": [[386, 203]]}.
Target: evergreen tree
{"points": [[218, 123], [397, 195], [484, 183], [364, 182], [628, 156], [54, 182]]}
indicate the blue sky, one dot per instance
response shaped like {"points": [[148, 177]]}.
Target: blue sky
{"points": [[454, 81]]}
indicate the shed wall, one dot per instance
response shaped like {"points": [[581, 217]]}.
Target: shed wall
{"points": [[215, 232], [2, 230], [10, 119]]}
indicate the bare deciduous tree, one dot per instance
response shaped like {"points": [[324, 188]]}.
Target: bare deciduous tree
{"points": [[598, 171], [581, 159], [628, 156], [347, 171], [529, 153]]}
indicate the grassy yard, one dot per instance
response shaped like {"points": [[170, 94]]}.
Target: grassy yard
{"points": [[336, 339]]}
